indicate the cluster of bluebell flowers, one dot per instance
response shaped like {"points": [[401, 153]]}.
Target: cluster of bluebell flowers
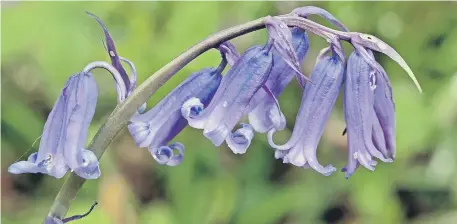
{"points": [[216, 102]]}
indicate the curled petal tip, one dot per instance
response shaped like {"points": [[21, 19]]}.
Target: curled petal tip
{"points": [[240, 140], [388, 160], [89, 169], [25, 167], [171, 155], [190, 111], [328, 170]]}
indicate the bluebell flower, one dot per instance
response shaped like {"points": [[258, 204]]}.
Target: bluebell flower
{"points": [[65, 132], [229, 104], [156, 127], [365, 133], [265, 114], [242, 82], [316, 105]]}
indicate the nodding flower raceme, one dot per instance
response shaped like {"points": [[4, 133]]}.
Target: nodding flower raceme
{"points": [[216, 103]]}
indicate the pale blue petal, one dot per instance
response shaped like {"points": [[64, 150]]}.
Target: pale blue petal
{"points": [[89, 169], [171, 155], [240, 140]]}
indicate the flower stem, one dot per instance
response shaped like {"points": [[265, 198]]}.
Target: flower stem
{"points": [[124, 111]]}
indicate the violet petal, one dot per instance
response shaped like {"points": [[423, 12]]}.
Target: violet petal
{"points": [[80, 101]]}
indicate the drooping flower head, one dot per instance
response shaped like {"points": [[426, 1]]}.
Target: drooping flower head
{"points": [[238, 86], [368, 104], [62, 146], [317, 103], [65, 132], [362, 123], [156, 127]]}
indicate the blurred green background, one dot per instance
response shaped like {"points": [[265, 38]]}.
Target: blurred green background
{"points": [[43, 43]]}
